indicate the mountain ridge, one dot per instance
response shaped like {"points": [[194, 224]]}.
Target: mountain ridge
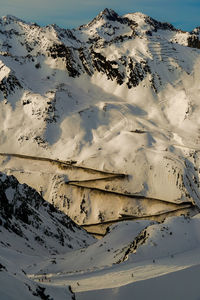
{"points": [[99, 125], [112, 96]]}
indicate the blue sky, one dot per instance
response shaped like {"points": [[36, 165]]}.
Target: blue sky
{"points": [[184, 14]]}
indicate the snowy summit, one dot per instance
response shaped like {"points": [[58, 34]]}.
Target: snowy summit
{"points": [[99, 133]]}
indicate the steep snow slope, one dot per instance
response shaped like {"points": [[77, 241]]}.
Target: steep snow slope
{"points": [[103, 121], [119, 94], [146, 251], [25, 215], [31, 230], [128, 242], [15, 285]]}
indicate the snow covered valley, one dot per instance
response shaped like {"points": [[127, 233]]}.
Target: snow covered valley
{"points": [[99, 160]]}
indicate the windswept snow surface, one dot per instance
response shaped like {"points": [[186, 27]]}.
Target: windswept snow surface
{"points": [[183, 284], [102, 123], [149, 254]]}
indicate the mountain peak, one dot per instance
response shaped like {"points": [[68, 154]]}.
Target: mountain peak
{"points": [[105, 15], [196, 30], [11, 18], [110, 14], [146, 23], [138, 15]]}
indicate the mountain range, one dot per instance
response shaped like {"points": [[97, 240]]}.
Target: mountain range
{"points": [[99, 133]]}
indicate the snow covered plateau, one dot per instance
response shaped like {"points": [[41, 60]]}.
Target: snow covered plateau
{"points": [[99, 160]]}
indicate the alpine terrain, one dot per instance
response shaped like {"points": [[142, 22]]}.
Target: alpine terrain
{"points": [[99, 160]]}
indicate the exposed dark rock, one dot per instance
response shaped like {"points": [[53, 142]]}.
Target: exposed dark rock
{"points": [[9, 84], [139, 240], [193, 42], [138, 72], [84, 57], [159, 25], [108, 15], [40, 292], [22, 209], [2, 268], [61, 51], [101, 64]]}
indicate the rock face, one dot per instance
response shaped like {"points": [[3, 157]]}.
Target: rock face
{"points": [[119, 95], [32, 230], [25, 215]]}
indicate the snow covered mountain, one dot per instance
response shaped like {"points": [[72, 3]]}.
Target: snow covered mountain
{"points": [[119, 95], [99, 124], [31, 229], [27, 215]]}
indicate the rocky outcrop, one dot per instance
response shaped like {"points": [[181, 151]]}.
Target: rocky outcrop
{"points": [[9, 84], [194, 42], [25, 213]]}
